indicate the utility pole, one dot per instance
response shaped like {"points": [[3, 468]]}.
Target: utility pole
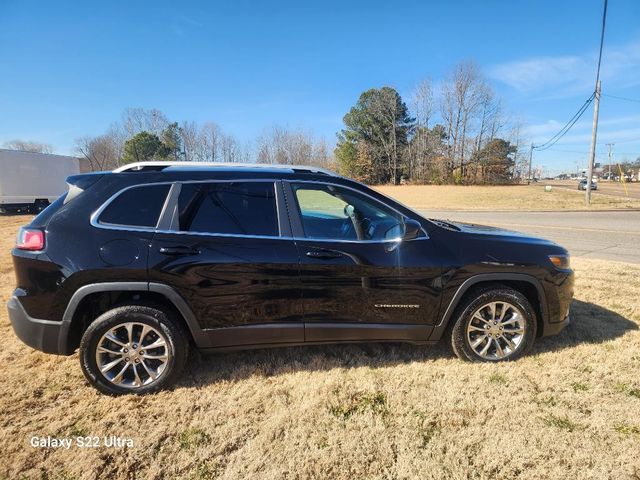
{"points": [[596, 108], [530, 160], [594, 135], [610, 147]]}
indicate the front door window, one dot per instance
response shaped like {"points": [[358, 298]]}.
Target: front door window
{"points": [[336, 213]]}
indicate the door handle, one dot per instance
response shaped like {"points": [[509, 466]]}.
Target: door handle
{"points": [[323, 254], [179, 250]]}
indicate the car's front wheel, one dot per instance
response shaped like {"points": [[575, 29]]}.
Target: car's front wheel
{"points": [[133, 349], [493, 324]]}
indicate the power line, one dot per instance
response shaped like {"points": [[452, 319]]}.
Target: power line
{"points": [[582, 152], [626, 99], [604, 19], [563, 131], [567, 151]]}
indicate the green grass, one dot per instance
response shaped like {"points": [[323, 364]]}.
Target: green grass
{"points": [[580, 387], [427, 429], [203, 472], [498, 379], [549, 401], [631, 391], [77, 430], [193, 438], [359, 403], [560, 422], [627, 429]]}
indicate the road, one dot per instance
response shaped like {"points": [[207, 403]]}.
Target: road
{"points": [[630, 190], [603, 235]]}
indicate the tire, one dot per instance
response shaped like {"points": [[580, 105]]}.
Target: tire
{"points": [[146, 364], [500, 325]]}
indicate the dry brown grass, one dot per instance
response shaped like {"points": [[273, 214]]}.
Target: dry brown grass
{"points": [[508, 197], [569, 410]]}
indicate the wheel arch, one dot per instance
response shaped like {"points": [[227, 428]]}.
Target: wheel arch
{"points": [[526, 284], [99, 297]]}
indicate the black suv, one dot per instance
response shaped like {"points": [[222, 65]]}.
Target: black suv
{"points": [[135, 266]]}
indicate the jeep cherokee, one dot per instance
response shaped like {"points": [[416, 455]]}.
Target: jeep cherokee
{"points": [[134, 267]]}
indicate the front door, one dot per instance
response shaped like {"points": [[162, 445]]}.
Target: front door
{"points": [[227, 256], [359, 280]]}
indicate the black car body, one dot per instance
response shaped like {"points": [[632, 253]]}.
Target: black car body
{"points": [[246, 257]]}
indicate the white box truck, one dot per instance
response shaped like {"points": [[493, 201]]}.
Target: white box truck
{"points": [[31, 181]]}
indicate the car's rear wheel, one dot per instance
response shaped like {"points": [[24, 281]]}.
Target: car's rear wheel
{"points": [[493, 324], [133, 349]]}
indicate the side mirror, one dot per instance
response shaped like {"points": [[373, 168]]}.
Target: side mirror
{"points": [[411, 229]]}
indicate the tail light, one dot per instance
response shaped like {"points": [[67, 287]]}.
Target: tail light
{"points": [[30, 239]]}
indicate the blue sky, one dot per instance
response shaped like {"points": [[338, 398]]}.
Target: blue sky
{"points": [[69, 69]]}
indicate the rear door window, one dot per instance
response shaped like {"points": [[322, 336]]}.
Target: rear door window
{"points": [[230, 208], [136, 207]]}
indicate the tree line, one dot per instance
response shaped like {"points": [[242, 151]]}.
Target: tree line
{"points": [[28, 146], [147, 134], [458, 134], [455, 133]]}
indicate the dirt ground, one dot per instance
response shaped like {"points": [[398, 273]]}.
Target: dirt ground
{"points": [[568, 410], [507, 197]]}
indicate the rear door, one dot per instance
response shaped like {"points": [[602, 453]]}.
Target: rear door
{"points": [[359, 280], [228, 251]]}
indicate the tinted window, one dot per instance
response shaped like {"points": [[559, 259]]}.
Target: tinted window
{"points": [[239, 208], [138, 206], [332, 212]]}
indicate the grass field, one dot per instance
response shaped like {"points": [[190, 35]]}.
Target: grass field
{"points": [[569, 410], [508, 197]]}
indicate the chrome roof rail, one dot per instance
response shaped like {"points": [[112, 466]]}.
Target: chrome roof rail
{"points": [[161, 165]]}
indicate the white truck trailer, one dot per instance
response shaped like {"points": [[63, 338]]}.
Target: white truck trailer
{"points": [[31, 181]]}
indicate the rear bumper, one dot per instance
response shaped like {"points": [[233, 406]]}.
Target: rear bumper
{"points": [[40, 334]]}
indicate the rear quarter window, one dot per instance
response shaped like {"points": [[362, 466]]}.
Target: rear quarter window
{"points": [[136, 207]]}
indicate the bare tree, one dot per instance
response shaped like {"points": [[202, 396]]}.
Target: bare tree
{"points": [[190, 139], [470, 112], [521, 155], [417, 151], [230, 149], [28, 146], [101, 152], [279, 145], [463, 94], [320, 156], [209, 140], [423, 102], [136, 120]]}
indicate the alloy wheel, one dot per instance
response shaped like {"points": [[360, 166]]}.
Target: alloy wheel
{"points": [[132, 355], [496, 330]]}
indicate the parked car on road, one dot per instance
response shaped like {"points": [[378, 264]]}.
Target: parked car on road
{"points": [[137, 266], [583, 185]]}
